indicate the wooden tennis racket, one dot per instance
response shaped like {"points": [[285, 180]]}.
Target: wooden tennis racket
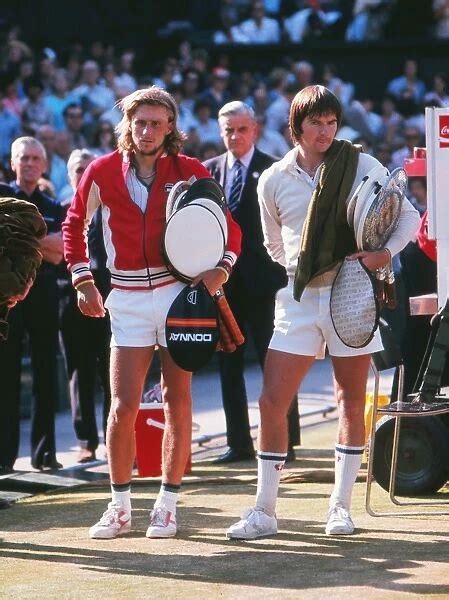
{"points": [[228, 324], [225, 343]]}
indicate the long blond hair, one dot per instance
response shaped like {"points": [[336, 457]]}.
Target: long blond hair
{"points": [[153, 96]]}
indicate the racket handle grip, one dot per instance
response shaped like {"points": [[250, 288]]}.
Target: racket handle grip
{"points": [[228, 318], [380, 288], [226, 343], [391, 299]]}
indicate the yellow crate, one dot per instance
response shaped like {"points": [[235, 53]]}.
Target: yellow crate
{"points": [[369, 398]]}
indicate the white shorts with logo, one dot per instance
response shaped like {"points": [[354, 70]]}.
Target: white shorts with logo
{"points": [[306, 327], [138, 316]]}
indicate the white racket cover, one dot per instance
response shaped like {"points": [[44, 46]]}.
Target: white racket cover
{"points": [[213, 207], [194, 241], [380, 216], [368, 188], [351, 207], [176, 194], [353, 306], [206, 187]]}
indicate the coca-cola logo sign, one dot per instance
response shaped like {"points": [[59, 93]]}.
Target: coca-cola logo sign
{"points": [[444, 131]]}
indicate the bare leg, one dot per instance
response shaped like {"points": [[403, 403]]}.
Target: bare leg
{"points": [[176, 445], [283, 374], [350, 377], [129, 367]]}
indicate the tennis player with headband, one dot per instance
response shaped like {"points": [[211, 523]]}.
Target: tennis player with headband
{"points": [[131, 187], [303, 326]]}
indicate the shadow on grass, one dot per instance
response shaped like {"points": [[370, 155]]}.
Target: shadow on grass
{"points": [[300, 557], [297, 561]]}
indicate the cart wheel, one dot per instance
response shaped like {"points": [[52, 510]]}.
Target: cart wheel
{"points": [[423, 455]]}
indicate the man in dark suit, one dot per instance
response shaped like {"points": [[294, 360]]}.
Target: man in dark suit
{"points": [[255, 280], [37, 315], [83, 360]]}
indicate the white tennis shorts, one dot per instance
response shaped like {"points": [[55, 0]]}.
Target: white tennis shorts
{"points": [[138, 316], [306, 328]]}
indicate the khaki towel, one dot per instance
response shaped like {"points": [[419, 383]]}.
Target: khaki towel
{"points": [[326, 236]]}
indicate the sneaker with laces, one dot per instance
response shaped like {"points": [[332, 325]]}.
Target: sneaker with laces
{"points": [[115, 521], [162, 523], [255, 523], [339, 521]]}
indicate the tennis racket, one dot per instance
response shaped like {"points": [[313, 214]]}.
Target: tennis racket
{"points": [[378, 220], [227, 322], [354, 306]]}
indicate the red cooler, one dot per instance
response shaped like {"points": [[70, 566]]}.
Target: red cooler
{"points": [[149, 428]]}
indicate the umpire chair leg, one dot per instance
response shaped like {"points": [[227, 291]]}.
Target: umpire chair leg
{"points": [[397, 415]]}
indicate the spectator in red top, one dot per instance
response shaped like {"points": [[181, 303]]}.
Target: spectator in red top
{"points": [[429, 247]]}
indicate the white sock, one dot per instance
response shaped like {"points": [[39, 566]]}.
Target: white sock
{"points": [[348, 460], [122, 498], [269, 471], [167, 497]]}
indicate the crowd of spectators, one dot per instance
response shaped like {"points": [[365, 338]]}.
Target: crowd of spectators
{"points": [[297, 21], [71, 103], [68, 100]]}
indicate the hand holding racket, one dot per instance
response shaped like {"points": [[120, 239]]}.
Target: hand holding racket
{"points": [[230, 334], [373, 260], [213, 279]]}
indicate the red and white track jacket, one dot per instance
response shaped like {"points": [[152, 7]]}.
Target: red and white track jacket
{"points": [[133, 239]]}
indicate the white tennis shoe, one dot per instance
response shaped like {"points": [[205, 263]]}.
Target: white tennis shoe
{"points": [[339, 521], [162, 523], [115, 521], [255, 523]]}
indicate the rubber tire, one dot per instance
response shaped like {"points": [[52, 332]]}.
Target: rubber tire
{"points": [[423, 455]]}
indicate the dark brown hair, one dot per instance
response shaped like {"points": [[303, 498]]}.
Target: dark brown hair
{"points": [[313, 100]]}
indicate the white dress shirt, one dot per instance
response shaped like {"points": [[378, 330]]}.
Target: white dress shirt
{"points": [[267, 33]]}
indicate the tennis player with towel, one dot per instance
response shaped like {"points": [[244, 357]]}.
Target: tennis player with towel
{"points": [[303, 200], [131, 186]]}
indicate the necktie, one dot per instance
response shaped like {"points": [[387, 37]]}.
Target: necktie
{"points": [[236, 187]]}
